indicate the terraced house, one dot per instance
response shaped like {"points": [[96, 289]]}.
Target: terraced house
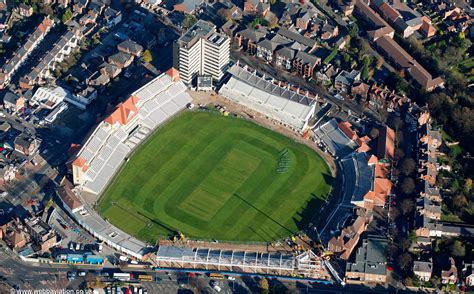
{"points": [[47, 64], [19, 57]]}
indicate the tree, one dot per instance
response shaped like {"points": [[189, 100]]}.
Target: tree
{"points": [[189, 20], [67, 15], [407, 205], [46, 9], [272, 20], [394, 213], [458, 249], [147, 56], [374, 133], [399, 153], [225, 14], [412, 236], [354, 32], [380, 61], [263, 285], [407, 167], [468, 185], [397, 123], [459, 201], [404, 261], [404, 244], [407, 186], [395, 82], [365, 68], [346, 58]]}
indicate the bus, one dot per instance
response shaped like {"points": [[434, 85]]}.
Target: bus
{"points": [[145, 278], [216, 276], [122, 276]]}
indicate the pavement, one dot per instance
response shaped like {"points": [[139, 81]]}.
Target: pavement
{"points": [[27, 276]]}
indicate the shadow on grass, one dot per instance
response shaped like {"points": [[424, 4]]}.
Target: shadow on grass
{"points": [[168, 229], [328, 179], [262, 213], [309, 213]]}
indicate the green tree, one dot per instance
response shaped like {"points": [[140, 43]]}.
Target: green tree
{"points": [[263, 285], [67, 15], [354, 32], [468, 185], [331, 56], [458, 249], [395, 82], [147, 56], [365, 68], [189, 20]]}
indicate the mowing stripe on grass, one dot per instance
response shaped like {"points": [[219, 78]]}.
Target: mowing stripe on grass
{"points": [[214, 177]]}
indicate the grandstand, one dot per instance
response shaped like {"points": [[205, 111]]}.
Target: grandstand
{"points": [[306, 264], [112, 236], [283, 104], [358, 177], [130, 123], [336, 141], [364, 177]]}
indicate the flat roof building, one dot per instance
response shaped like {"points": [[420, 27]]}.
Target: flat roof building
{"points": [[201, 51], [370, 264]]}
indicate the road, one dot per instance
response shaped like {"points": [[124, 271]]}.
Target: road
{"points": [[280, 74], [19, 273]]}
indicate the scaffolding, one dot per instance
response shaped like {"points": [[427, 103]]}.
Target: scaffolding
{"points": [[306, 264]]}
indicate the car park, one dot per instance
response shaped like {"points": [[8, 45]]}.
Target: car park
{"points": [[71, 276]]}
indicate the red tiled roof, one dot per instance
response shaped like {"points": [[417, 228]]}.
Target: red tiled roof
{"points": [[424, 78], [67, 195], [428, 29], [124, 112], [386, 144], [346, 128], [81, 162], [173, 73], [370, 14], [389, 12]]}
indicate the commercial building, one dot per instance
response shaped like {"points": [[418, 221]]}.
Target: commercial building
{"points": [[201, 51], [41, 233], [370, 262], [49, 97]]}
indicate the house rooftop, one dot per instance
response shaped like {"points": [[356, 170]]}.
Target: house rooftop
{"points": [[370, 257], [308, 42]]}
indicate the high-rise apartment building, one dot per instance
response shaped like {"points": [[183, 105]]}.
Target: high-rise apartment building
{"points": [[201, 51]]}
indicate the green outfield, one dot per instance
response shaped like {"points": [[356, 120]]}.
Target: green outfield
{"points": [[214, 177]]}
